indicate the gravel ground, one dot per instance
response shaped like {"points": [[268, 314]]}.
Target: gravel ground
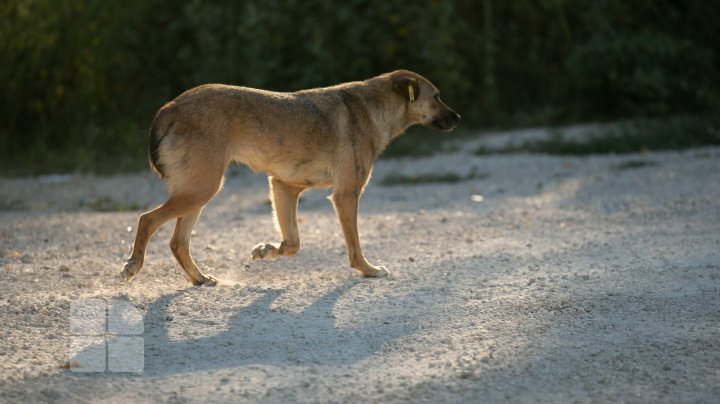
{"points": [[543, 279]]}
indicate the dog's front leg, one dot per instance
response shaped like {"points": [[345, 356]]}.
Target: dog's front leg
{"points": [[346, 205], [284, 201]]}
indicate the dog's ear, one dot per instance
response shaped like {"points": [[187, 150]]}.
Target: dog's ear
{"points": [[407, 86]]}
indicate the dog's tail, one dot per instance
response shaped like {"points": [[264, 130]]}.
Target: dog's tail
{"points": [[155, 138], [160, 128]]}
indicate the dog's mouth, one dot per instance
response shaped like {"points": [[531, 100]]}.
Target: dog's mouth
{"points": [[443, 126], [446, 123]]}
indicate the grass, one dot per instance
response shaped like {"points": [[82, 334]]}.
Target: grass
{"points": [[642, 136], [421, 142], [430, 178], [11, 204], [108, 204], [634, 164]]}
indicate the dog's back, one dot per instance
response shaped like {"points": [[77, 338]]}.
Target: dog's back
{"points": [[294, 136]]}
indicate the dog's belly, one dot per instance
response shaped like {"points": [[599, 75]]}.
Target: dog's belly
{"points": [[296, 165], [302, 173]]}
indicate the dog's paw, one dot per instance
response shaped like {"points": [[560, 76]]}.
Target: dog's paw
{"points": [[131, 268], [375, 272], [206, 280], [264, 251]]}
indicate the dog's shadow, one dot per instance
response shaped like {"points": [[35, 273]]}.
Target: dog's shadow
{"points": [[260, 334]]}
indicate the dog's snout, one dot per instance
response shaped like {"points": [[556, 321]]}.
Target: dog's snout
{"points": [[447, 121], [452, 118]]}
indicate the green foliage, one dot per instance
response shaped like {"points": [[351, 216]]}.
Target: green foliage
{"points": [[83, 79], [643, 73]]}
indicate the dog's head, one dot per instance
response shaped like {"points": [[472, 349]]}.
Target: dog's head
{"points": [[423, 102]]}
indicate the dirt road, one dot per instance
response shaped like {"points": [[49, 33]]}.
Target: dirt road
{"points": [[550, 279]]}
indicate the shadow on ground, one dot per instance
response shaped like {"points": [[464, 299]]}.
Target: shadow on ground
{"points": [[261, 334]]}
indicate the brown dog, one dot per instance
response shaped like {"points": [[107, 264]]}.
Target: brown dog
{"points": [[312, 138]]}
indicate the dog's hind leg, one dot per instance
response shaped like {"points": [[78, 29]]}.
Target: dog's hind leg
{"points": [[284, 200], [180, 246], [184, 201]]}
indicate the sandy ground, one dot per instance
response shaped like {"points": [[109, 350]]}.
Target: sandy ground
{"points": [[545, 279]]}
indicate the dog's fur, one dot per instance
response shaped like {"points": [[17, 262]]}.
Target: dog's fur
{"points": [[312, 138]]}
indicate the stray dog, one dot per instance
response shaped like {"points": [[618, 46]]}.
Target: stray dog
{"points": [[312, 138]]}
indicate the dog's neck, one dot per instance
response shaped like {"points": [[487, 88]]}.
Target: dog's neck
{"points": [[390, 111]]}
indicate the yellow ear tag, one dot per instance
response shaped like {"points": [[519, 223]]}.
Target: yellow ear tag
{"points": [[411, 93]]}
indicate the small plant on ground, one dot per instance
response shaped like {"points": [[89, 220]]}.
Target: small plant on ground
{"points": [[430, 178], [633, 164], [642, 136], [108, 204]]}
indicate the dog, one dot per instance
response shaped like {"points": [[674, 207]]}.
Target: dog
{"points": [[319, 137]]}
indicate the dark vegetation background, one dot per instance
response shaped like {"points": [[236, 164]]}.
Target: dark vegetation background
{"points": [[82, 79]]}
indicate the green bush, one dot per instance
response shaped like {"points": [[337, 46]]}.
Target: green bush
{"points": [[642, 74]]}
